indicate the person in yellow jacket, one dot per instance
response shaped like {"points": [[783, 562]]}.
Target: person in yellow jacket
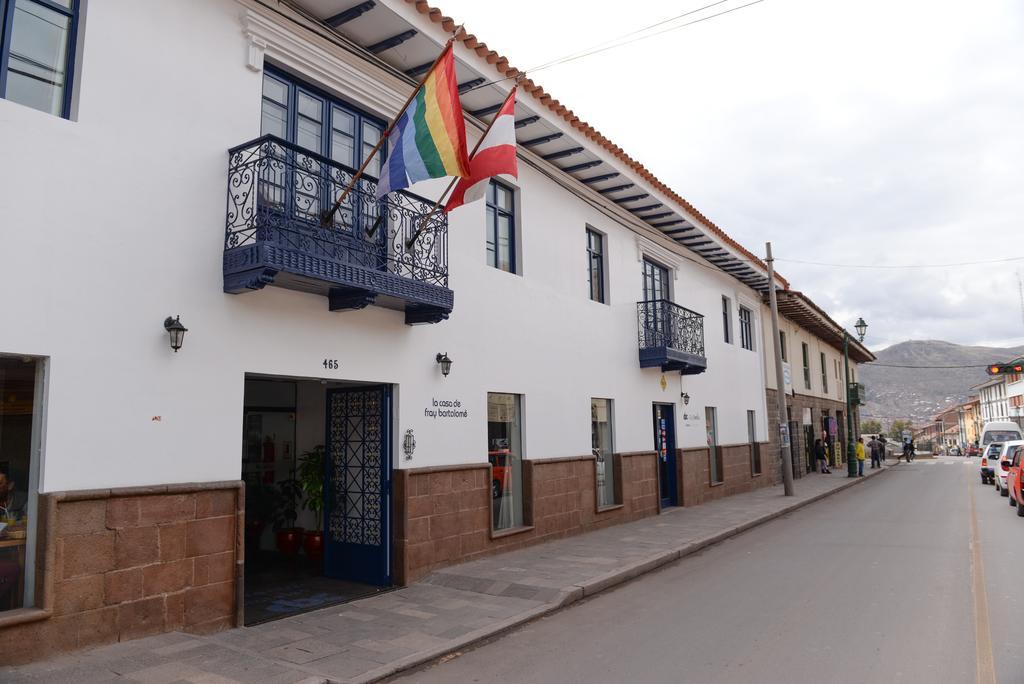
{"points": [[860, 456]]}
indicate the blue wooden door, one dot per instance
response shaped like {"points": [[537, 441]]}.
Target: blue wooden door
{"points": [[665, 444], [357, 495]]}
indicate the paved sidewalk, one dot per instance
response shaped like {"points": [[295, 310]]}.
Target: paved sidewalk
{"points": [[448, 610]]}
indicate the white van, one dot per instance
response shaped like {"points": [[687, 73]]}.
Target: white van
{"points": [[999, 431], [995, 433]]}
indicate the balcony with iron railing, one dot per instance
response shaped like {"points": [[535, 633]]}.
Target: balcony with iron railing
{"points": [[280, 232], [671, 337]]}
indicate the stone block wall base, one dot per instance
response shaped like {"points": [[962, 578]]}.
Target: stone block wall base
{"points": [[443, 515], [737, 476], [125, 563]]}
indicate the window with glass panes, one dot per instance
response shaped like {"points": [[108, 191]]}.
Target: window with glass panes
{"points": [[824, 374], [806, 352], [755, 446], [302, 115], [501, 227], [746, 329], [328, 127], [37, 53], [605, 460], [595, 265], [727, 319]]}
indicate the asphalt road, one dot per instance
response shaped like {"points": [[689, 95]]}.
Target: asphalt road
{"points": [[874, 584]]}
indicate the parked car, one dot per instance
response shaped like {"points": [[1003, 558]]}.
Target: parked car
{"points": [[973, 450], [989, 461], [1014, 479], [1002, 465]]}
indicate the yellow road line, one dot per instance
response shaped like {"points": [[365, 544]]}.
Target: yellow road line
{"points": [[982, 632]]}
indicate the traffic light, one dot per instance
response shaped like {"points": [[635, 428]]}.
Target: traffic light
{"points": [[1004, 368]]}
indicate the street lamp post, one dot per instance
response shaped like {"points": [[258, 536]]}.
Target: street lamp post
{"points": [[851, 458]]}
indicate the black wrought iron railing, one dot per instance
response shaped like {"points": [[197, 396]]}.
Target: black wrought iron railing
{"points": [[664, 324], [279, 193]]}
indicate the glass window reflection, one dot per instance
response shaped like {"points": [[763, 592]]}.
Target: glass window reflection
{"points": [[505, 454], [17, 407], [603, 450], [38, 53]]}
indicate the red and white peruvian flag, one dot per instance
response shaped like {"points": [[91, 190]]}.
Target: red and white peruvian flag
{"points": [[495, 155]]}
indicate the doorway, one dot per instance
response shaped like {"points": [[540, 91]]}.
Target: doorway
{"points": [[316, 461], [664, 424], [357, 495]]}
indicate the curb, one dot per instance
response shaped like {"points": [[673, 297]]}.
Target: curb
{"points": [[591, 588]]}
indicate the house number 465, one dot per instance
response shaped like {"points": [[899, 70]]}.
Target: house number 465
{"points": [[331, 364]]}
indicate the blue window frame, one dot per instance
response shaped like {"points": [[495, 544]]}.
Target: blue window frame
{"points": [[303, 115], [501, 227], [595, 265], [37, 53], [326, 126]]}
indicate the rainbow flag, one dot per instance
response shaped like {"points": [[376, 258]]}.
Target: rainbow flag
{"points": [[429, 138]]}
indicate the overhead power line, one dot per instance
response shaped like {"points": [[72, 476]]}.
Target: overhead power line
{"points": [[573, 58], [903, 266], [608, 43], [604, 46], [896, 365]]}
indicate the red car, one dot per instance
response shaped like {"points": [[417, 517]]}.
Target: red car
{"points": [[501, 471], [1013, 480]]}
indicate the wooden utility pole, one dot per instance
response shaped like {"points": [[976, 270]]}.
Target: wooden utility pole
{"points": [[780, 382]]}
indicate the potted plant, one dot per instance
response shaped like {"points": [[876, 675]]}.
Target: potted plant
{"points": [[311, 478], [287, 535]]}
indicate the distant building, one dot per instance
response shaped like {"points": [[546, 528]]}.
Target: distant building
{"points": [[993, 399], [969, 420]]}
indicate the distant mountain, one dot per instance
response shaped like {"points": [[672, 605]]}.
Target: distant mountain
{"points": [[918, 394]]}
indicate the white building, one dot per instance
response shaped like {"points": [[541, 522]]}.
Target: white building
{"points": [[1002, 396], [1015, 395], [993, 399], [169, 164]]}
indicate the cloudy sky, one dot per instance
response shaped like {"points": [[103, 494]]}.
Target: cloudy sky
{"points": [[884, 132]]}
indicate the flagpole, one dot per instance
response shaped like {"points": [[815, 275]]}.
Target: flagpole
{"points": [[328, 216], [451, 184]]}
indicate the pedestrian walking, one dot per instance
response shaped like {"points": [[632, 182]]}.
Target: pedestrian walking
{"points": [[859, 446], [885, 442], [820, 457], [876, 447]]}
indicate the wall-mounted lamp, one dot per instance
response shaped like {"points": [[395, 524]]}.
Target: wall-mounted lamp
{"points": [[176, 331], [686, 398], [446, 364]]}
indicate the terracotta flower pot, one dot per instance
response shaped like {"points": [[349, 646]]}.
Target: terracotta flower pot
{"points": [[313, 544], [289, 540]]}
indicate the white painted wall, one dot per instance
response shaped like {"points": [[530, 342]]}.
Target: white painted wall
{"points": [[115, 220], [795, 338]]}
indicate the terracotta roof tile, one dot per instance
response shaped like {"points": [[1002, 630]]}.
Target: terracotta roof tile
{"points": [[471, 42]]}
